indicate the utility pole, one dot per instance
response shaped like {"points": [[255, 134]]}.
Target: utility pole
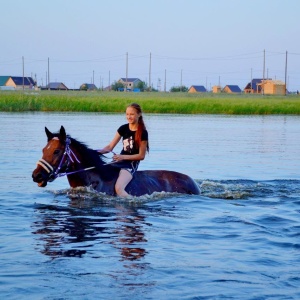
{"points": [[150, 73], [125, 90], [48, 76], [23, 71], [109, 80], [93, 77], [165, 85], [264, 69], [181, 80], [251, 81], [285, 77]]}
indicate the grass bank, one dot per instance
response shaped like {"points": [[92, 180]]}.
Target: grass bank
{"points": [[179, 103]]}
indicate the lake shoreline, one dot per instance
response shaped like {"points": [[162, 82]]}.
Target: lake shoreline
{"points": [[155, 102]]}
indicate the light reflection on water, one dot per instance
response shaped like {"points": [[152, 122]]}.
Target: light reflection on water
{"points": [[238, 239]]}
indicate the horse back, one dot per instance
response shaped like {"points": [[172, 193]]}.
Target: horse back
{"points": [[150, 181]]}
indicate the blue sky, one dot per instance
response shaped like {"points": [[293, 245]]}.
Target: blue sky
{"points": [[191, 41]]}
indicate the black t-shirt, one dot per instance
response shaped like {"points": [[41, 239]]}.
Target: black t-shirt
{"points": [[129, 147]]}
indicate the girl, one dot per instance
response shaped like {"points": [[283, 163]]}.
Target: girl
{"points": [[135, 144]]}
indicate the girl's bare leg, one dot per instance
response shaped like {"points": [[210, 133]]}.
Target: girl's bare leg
{"points": [[122, 181]]}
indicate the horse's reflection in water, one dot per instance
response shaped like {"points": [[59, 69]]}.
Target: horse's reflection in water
{"points": [[76, 230], [130, 232]]}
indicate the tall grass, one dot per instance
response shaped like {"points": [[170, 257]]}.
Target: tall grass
{"points": [[179, 103]]}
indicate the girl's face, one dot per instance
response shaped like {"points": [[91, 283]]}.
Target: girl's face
{"points": [[132, 115]]}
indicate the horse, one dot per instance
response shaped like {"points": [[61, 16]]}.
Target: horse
{"points": [[64, 155]]}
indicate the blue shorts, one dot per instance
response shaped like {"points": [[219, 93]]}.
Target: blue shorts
{"points": [[129, 165]]}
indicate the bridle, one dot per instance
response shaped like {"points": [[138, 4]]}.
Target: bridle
{"points": [[67, 158]]}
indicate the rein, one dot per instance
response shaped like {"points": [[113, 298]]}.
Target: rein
{"points": [[70, 156]]}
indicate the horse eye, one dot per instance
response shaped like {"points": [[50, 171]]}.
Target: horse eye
{"points": [[56, 151]]}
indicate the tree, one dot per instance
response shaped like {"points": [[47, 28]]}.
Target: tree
{"points": [[142, 86], [179, 89], [84, 87], [117, 85]]}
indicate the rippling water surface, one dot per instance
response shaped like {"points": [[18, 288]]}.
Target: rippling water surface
{"points": [[239, 239]]}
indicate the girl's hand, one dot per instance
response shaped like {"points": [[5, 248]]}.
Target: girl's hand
{"points": [[117, 157]]}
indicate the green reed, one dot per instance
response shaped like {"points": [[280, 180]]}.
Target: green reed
{"points": [[177, 103]]}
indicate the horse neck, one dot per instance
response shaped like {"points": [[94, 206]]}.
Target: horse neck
{"points": [[101, 177], [77, 162], [76, 157], [85, 157]]}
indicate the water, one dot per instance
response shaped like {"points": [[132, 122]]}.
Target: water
{"points": [[239, 239]]}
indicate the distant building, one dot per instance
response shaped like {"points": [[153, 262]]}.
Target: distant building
{"points": [[254, 87], [216, 89], [3, 80], [55, 86], [130, 83], [17, 82], [88, 87], [273, 87], [197, 89], [232, 89]]}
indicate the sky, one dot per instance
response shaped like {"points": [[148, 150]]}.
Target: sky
{"points": [[162, 42]]}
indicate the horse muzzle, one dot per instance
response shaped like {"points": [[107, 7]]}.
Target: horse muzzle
{"points": [[43, 174], [39, 178]]}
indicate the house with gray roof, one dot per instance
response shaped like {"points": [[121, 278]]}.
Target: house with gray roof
{"points": [[88, 87], [55, 86], [130, 83]]}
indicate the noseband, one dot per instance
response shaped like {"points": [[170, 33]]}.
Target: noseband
{"points": [[67, 158]]}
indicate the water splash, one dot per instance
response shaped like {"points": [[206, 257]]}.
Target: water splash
{"points": [[245, 189], [89, 194]]}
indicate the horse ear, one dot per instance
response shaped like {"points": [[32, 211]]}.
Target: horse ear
{"points": [[49, 134], [62, 133]]}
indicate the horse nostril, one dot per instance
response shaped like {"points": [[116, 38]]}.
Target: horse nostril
{"points": [[38, 177]]}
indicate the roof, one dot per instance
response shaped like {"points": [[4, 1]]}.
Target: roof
{"points": [[276, 82], [255, 83], [199, 88], [88, 86], [234, 88], [56, 85], [3, 80], [130, 79], [18, 80], [91, 86]]}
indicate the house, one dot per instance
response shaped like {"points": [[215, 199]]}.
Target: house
{"points": [[216, 89], [130, 83], [17, 82], [197, 89], [273, 87], [55, 86], [88, 87], [232, 89], [254, 87], [3, 80]]}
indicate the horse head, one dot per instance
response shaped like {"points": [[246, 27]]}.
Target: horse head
{"points": [[53, 158]]}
